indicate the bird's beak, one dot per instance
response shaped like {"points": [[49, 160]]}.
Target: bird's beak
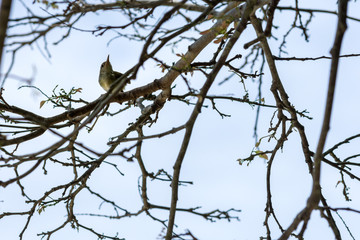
{"points": [[107, 60]]}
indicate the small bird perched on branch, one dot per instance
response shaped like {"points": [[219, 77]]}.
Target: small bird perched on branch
{"points": [[108, 76]]}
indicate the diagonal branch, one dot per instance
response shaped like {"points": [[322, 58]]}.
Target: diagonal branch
{"points": [[315, 196], [246, 10]]}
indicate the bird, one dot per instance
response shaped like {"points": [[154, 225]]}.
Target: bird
{"points": [[108, 76]]}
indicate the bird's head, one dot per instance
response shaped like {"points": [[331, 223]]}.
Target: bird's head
{"points": [[106, 67]]}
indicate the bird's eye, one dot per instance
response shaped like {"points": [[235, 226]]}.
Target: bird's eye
{"points": [[102, 65]]}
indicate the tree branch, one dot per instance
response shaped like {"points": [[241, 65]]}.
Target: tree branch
{"points": [[315, 195]]}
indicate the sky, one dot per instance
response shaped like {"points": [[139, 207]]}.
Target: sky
{"points": [[219, 182]]}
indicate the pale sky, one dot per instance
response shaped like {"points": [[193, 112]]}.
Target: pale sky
{"points": [[211, 161]]}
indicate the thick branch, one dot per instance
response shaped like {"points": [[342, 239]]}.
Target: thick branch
{"points": [[4, 17], [335, 52], [315, 196]]}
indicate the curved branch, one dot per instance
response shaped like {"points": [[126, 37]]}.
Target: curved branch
{"points": [[308, 10]]}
